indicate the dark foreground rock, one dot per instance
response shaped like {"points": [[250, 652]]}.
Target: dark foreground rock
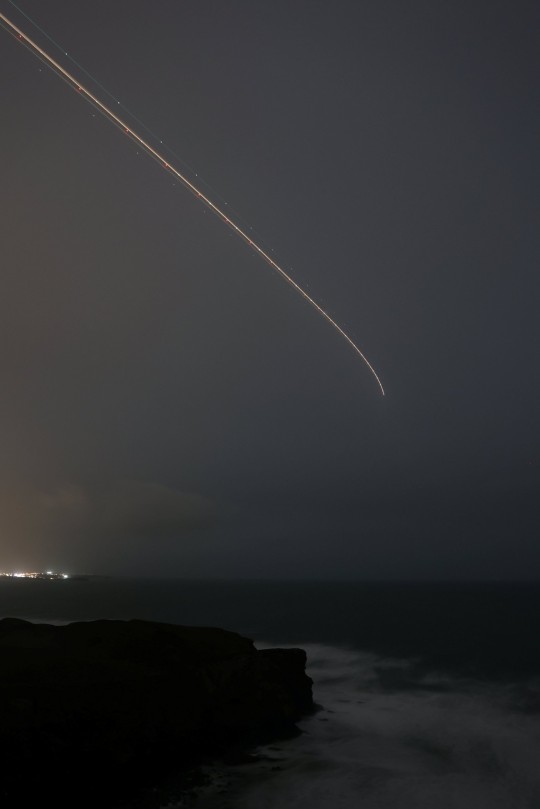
{"points": [[93, 709]]}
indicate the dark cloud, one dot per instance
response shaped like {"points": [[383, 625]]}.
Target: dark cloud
{"points": [[388, 153]]}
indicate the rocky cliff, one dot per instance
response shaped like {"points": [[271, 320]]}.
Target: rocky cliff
{"points": [[103, 703]]}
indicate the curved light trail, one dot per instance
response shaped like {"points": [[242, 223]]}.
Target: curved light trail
{"points": [[165, 164]]}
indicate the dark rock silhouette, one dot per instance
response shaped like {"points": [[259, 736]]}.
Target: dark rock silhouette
{"points": [[104, 704]]}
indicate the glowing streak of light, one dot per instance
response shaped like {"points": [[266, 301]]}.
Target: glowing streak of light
{"points": [[108, 113], [212, 191]]}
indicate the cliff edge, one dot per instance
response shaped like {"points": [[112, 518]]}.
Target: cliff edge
{"points": [[102, 703]]}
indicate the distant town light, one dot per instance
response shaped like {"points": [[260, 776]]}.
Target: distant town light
{"points": [[33, 575]]}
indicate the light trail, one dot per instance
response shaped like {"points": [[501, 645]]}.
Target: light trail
{"points": [[141, 125], [165, 164]]}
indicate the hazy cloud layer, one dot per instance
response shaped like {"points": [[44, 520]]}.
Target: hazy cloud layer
{"points": [[124, 518], [388, 153]]}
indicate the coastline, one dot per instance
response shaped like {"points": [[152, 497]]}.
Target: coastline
{"points": [[138, 703]]}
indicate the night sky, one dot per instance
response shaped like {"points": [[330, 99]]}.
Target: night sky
{"points": [[169, 405]]}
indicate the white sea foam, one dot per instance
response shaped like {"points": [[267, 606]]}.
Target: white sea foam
{"points": [[417, 743]]}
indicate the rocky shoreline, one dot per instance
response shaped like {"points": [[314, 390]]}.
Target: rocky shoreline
{"points": [[90, 711]]}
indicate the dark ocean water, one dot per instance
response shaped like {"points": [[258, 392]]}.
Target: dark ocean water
{"points": [[429, 693]]}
